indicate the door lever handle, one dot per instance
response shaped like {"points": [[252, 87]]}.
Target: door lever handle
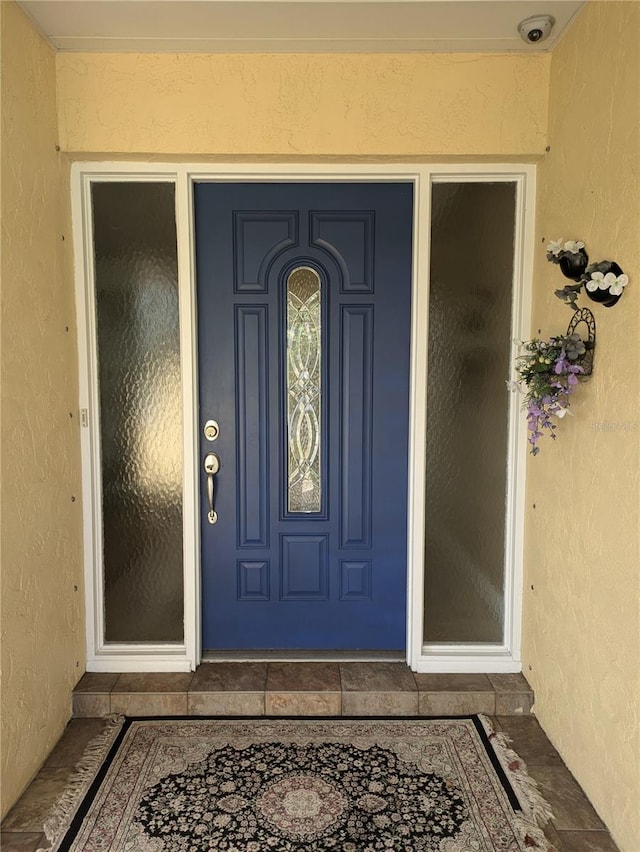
{"points": [[211, 467]]}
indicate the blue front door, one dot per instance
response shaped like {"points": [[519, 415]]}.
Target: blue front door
{"points": [[304, 303]]}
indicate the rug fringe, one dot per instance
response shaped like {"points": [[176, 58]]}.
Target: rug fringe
{"points": [[536, 811], [80, 781]]}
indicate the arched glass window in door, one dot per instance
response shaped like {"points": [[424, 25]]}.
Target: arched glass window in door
{"points": [[304, 390]]}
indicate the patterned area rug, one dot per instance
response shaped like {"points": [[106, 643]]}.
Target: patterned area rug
{"points": [[288, 785]]}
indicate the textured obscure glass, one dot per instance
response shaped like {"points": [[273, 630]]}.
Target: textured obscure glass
{"points": [[140, 410], [303, 390], [472, 230]]}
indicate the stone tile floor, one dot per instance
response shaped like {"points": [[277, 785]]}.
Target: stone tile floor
{"points": [[292, 689], [312, 689]]}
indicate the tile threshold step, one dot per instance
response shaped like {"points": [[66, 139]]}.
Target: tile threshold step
{"points": [[252, 688]]}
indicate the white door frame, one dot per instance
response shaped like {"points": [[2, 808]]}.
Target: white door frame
{"points": [[186, 655]]}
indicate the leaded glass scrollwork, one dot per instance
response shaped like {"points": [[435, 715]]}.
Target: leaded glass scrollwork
{"points": [[304, 342]]}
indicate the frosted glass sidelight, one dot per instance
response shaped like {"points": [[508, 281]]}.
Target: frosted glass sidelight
{"points": [[140, 410], [304, 341], [472, 244]]}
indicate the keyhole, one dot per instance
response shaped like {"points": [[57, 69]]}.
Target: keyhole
{"points": [[211, 430]]}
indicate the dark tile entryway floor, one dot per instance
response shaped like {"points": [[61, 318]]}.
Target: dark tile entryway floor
{"points": [[289, 689]]}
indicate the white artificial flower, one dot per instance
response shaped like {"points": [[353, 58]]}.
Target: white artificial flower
{"points": [[554, 247], [561, 412], [573, 246], [615, 284], [596, 281], [618, 285]]}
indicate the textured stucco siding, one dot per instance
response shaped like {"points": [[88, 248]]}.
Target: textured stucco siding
{"points": [[582, 616], [304, 105], [42, 601]]}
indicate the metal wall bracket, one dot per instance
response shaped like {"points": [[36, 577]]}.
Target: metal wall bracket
{"points": [[583, 316]]}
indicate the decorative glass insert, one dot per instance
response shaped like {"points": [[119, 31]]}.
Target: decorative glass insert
{"points": [[304, 341]]}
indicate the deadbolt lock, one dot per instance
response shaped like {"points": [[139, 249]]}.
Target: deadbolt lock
{"points": [[211, 430]]}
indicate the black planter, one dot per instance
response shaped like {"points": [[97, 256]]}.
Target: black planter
{"points": [[573, 265], [604, 297]]}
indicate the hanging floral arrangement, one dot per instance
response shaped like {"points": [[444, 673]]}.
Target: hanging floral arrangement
{"points": [[548, 372]]}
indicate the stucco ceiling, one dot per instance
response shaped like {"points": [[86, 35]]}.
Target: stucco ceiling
{"points": [[293, 26]]}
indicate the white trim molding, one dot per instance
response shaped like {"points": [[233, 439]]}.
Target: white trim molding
{"points": [[505, 656], [103, 656], [186, 656]]}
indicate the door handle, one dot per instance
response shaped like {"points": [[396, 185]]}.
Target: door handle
{"points": [[211, 467]]}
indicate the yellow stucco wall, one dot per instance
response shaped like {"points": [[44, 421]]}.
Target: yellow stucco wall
{"points": [[42, 601], [582, 622], [304, 105], [582, 617]]}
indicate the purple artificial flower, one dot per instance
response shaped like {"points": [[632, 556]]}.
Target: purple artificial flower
{"points": [[547, 374]]}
